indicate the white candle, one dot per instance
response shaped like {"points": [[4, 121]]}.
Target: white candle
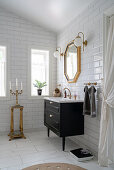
{"points": [[16, 84], [10, 85], [21, 86]]}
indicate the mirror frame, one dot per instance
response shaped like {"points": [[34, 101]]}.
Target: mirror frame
{"points": [[78, 63]]}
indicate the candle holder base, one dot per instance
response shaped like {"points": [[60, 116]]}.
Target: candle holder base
{"points": [[18, 105], [16, 134]]}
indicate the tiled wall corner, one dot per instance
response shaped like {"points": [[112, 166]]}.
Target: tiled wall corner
{"points": [[90, 22]]}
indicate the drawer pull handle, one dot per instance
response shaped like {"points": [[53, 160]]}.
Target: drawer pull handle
{"points": [[50, 115], [50, 102]]}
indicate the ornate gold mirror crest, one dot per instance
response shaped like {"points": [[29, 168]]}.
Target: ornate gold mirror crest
{"points": [[72, 62]]}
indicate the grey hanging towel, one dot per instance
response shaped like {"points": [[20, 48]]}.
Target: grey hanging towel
{"points": [[86, 105], [92, 91]]}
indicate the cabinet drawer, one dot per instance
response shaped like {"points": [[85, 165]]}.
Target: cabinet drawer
{"points": [[52, 106], [52, 119]]}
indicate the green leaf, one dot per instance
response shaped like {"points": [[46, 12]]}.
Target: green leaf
{"points": [[39, 84]]}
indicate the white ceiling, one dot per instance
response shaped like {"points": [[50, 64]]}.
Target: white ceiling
{"points": [[51, 14]]}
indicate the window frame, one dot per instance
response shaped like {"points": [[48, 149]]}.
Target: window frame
{"points": [[7, 74], [29, 73]]}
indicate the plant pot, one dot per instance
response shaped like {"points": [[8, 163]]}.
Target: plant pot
{"points": [[39, 91]]}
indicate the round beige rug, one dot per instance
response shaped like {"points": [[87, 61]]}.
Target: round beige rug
{"points": [[54, 166]]}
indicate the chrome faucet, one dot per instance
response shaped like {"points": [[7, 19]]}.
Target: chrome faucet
{"points": [[69, 92]]}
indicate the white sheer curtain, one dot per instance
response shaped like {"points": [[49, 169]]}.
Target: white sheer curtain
{"points": [[106, 149]]}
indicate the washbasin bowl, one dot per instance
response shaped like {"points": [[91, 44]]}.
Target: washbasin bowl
{"points": [[62, 99]]}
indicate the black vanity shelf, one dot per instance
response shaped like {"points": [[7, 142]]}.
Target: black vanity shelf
{"points": [[64, 119]]}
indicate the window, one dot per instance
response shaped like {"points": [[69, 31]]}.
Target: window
{"points": [[39, 70], [2, 71]]}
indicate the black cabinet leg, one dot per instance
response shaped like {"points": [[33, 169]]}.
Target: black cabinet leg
{"points": [[63, 143], [48, 131]]}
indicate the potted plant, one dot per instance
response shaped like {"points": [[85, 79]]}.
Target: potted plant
{"points": [[39, 85]]}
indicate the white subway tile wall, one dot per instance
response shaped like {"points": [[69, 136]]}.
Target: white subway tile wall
{"points": [[19, 35], [90, 22]]}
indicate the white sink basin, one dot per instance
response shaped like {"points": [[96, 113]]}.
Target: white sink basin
{"points": [[62, 100]]}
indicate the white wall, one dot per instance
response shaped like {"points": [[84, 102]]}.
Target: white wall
{"points": [[19, 35], [90, 22]]}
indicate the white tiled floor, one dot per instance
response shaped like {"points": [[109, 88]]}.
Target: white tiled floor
{"points": [[38, 148]]}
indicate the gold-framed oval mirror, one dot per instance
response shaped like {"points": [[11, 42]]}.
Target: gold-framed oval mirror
{"points": [[72, 62]]}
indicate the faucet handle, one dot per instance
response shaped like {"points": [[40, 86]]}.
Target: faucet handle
{"points": [[69, 96]]}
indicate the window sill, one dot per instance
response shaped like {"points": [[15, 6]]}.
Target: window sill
{"points": [[38, 97]]}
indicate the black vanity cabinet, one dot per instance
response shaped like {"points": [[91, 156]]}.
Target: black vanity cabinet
{"points": [[64, 119]]}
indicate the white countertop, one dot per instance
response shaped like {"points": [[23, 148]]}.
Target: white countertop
{"points": [[62, 100]]}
